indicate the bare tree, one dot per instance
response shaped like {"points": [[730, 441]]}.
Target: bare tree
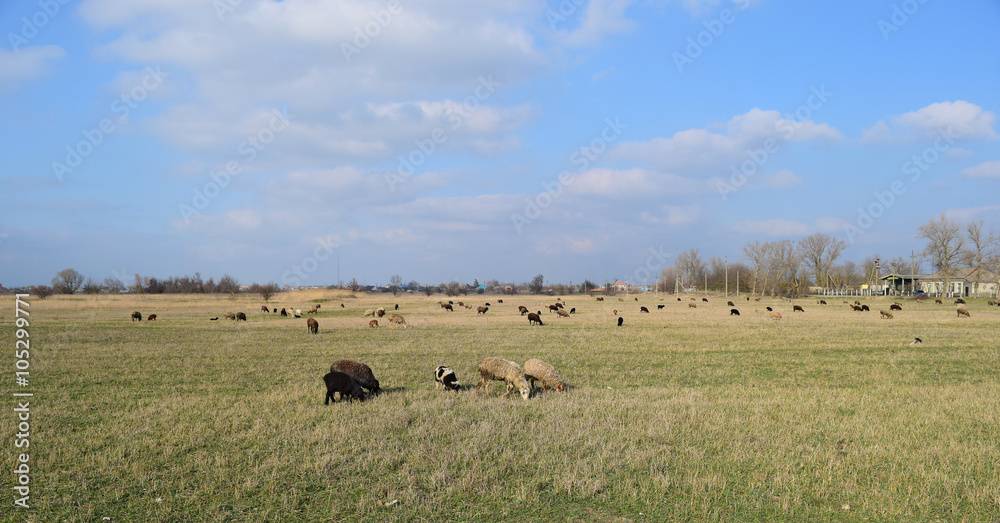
{"points": [[113, 285], [268, 290], [67, 281], [944, 245], [758, 255], [228, 285], [395, 284], [819, 251], [975, 256], [690, 267], [537, 284], [91, 286], [42, 291]]}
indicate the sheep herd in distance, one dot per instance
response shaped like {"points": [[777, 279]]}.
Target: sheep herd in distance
{"points": [[350, 380]]}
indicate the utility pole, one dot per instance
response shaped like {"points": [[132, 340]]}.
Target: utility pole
{"points": [[727, 276]]}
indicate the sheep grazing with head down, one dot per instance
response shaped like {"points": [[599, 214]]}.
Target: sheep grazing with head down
{"points": [[369, 312], [562, 313], [345, 385], [507, 371], [444, 376], [538, 370], [359, 372], [136, 316], [963, 312], [481, 310], [373, 324], [534, 318], [152, 317], [396, 319], [312, 325], [522, 309], [241, 316]]}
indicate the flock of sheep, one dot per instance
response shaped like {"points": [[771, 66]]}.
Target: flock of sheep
{"points": [[351, 379]]}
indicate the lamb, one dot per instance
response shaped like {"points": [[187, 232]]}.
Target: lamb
{"points": [[284, 312], [886, 315], [241, 316], [775, 315], [380, 312], [553, 308], [263, 308], [298, 312], [534, 318], [573, 310], [692, 306], [620, 321], [313, 310], [342, 383], [396, 319], [444, 376], [359, 372], [660, 307], [481, 310], [312, 325], [730, 304], [797, 308], [704, 300], [562, 313], [447, 307], [538, 370], [136, 316], [643, 309], [769, 309], [373, 324], [963, 312], [369, 312], [734, 312], [822, 302], [938, 301], [522, 309], [396, 307], [499, 369], [152, 317]]}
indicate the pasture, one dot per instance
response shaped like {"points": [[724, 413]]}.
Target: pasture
{"points": [[680, 414]]}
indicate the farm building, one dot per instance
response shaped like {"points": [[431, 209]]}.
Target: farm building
{"points": [[964, 282]]}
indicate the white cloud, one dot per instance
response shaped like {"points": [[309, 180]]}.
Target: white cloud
{"points": [[968, 214], [695, 149], [782, 178], [26, 64], [601, 18], [984, 170], [958, 118], [776, 227]]}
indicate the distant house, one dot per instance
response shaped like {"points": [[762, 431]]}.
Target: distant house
{"points": [[619, 286], [961, 282]]}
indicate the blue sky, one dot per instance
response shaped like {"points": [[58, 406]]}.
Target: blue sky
{"points": [[447, 140]]}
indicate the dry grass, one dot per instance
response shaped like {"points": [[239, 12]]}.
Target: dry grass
{"points": [[681, 414]]}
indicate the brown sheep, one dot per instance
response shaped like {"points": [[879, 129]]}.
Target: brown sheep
{"points": [[822, 302], [481, 310], [396, 319], [534, 318], [938, 301], [775, 315], [866, 309], [729, 303], [693, 305], [704, 300], [886, 315], [797, 308], [380, 312], [447, 307], [856, 308], [241, 316], [964, 312], [136, 316], [553, 308], [373, 324], [152, 317], [312, 325], [230, 315], [313, 310], [263, 308], [359, 372], [523, 310], [562, 313]]}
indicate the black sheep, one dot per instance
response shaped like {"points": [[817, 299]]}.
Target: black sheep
{"points": [[620, 321], [734, 312], [344, 384]]}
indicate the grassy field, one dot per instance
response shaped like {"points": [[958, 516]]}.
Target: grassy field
{"points": [[681, 414]]}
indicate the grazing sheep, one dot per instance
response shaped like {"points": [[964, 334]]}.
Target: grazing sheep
{"points": [[380, 312], [481, 310], [553, 308], [448, 307], [444, 376], [136, 316], [692, 305], [895, 307], [775, 315], [241, 316], [600, 299], [468, 306], [865, 308], [964, 312], [755, 299], [396, 319], [938, 301], [343, 384], [263, 308], [769, 309], [562, 313], [214, 319], [488, 304], [620, 321], [886, 315], [960, 300], [342, 306], [856, 308], [373, 324], [678, 299], [704, 300], [991, 303], [499, 301], [152, 317], [573, 310], [522, 309], [822, 302], [396, 307], [369, 312], [615, 312], [797, 308], [734, 312], [538, 370], [643, 309], [499, 369], [359, 372], [856, 302], [916, 341], [298, 313], [461, 304], [313, 310], [660, 307], [230, 315], [312, 325], [637, 299], [284, 312], [275, 309], [897, 303], [692, 299], [730, 304], [534, 318]]}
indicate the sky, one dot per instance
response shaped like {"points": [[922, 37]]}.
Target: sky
{"points": [[446, 140]]}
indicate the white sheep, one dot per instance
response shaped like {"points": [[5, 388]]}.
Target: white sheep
{"points": [[502, 370], [538, 370], [369, 312]]}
